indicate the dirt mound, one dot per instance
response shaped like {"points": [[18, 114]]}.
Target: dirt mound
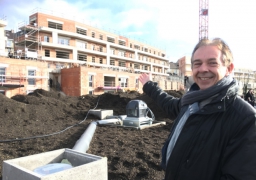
{"points": [[36, 123]]}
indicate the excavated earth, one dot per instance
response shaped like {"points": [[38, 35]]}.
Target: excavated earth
{"points": [[34, 123]]}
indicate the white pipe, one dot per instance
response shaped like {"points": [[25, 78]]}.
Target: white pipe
{"points": [[82, 144]]}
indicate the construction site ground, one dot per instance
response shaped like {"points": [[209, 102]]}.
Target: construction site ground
{"points": [[131, 153]]}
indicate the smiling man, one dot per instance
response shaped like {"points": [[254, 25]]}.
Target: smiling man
{"points": [[213, 136]]}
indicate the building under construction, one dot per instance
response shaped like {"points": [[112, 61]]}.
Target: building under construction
{"points": [[81, 59]]}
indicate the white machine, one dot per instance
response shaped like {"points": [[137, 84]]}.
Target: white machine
{"points": [[136, 111]]}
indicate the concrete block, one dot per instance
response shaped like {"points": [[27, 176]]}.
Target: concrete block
{"points": [[102, 113], [85, 166]]}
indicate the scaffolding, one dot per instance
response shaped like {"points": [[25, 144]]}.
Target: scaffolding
{"points": [[23, 80], [27, 41]]}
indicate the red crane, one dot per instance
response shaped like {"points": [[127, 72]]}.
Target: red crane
{"points": [[203, 19]]}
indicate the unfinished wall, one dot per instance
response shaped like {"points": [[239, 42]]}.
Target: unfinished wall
{"points": [[17, 73]]}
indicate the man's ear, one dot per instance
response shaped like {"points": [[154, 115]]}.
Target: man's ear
{"points": [[230, 69]]}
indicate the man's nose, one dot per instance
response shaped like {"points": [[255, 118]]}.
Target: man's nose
{"points": [[203, 67]]}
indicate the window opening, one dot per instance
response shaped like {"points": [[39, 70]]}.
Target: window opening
{"points": [[93, 59], [54, 25], [31, 80], [82, 57], [90, 80], [61, 54], [81, 31], [2, 74], [110, 39], [47, 53]]}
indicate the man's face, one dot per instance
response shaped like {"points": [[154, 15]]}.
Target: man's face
{"points": [[208, 67]]}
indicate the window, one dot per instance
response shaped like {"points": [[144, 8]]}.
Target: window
{"points": [[90, 80], [101, 49], [142, 48], [59, 65], [112, 51], [9, 43], [136, 66], [81, 31], [81, 44], [31, 80], [112, 62], [110, 39], [101, 37], [54, 25], [136, 82], [123, 81], [64, 41], [46, 39], [130, 45], [101, 61], [137, 47], [93, 59], [145, 58], [62, 54], [121, 63], [146, 49], [47, 53], [145, 67], [2, 74], [130, 64], [91, 92], [121, 53], [93, 34], [121, 42], [82, 57]]}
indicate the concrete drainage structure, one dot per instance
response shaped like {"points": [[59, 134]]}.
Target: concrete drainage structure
{"points": [[85, 166]]}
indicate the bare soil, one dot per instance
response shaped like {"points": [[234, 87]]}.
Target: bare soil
{"points": [[34, 123]]}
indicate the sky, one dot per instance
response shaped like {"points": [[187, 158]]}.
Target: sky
{"points": [[171, 25]]}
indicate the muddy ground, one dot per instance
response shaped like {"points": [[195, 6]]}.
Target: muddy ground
{"points": [[27, 123]]}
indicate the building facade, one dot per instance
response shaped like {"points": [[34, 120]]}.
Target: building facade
{"points": [[3, 38]]}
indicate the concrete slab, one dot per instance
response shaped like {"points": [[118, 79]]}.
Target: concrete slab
{"points": [[155, 123], [102, 113]]}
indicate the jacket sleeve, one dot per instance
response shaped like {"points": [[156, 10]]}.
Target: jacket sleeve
{"points": [[168, 103], [239, 160]]}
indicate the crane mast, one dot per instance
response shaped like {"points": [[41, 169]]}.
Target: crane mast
{"points": [[203, 19]]}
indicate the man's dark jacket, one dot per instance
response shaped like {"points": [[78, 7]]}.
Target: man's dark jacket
{"points": [[216, 143]]}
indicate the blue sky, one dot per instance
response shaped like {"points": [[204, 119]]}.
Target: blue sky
{"points": [[172, 25]]}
